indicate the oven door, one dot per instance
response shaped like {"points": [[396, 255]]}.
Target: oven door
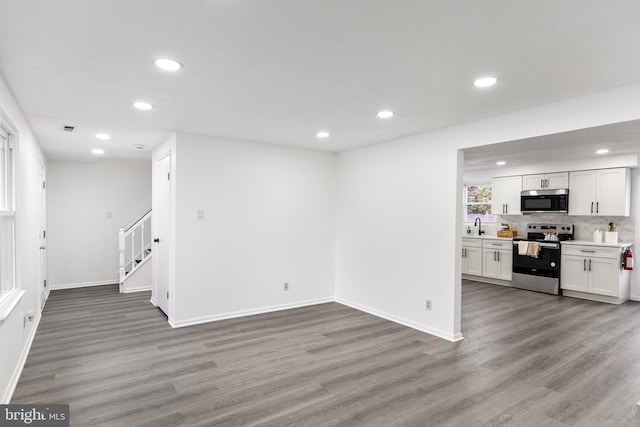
{"points": [[546, 265]]}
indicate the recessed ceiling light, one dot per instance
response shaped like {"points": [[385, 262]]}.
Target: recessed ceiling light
{"points": [[501, 163], [97, 151], [168, 64], [103, 136], [385, 114], [602, 151], [485, 82], [140, 105], [322, 134]]}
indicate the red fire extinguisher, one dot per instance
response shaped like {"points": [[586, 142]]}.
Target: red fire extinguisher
{"points": [[627, 260]]}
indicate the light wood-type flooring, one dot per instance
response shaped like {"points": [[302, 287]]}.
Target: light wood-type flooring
{"points": [[527, 359]]}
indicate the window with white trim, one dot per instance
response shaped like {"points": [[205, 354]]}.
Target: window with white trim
{"points": [[477, 203], [7, 214]]}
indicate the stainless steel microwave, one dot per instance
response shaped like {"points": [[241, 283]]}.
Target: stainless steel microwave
{"points": [[545, 201]]}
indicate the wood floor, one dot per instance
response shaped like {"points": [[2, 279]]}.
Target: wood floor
{"points": [[528, 359]]}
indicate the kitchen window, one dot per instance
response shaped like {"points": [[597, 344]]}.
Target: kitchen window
{"points": [[477, 203]]}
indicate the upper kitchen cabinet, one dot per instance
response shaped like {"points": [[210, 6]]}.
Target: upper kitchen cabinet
{"points": [[601, 192], [505, 195], [547, 181]]}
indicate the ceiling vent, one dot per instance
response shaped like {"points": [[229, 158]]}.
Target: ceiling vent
{"points": [[68, 128]]}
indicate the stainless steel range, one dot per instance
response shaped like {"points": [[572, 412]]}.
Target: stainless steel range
{"points": [[536, 259]]}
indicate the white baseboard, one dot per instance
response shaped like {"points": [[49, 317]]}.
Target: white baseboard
{"points": [[405, 322], [634, 297], [128, 291], [242, 313], [153, 301], [15, 376], [84, 284]]}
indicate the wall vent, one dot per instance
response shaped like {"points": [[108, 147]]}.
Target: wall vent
{"points": [[68, 128]]}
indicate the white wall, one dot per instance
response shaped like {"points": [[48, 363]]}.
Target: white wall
{"points": [[15, 335], [399, 204], [269, 219], [635, 213], [82, 239]]}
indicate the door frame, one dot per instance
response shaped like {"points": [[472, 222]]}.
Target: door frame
{"points": [[155, 297]]}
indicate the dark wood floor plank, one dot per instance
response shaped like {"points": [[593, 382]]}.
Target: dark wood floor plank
{"points": [[527, 359]]}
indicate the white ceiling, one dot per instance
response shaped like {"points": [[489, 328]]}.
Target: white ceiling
{"points": [[278, 71]]}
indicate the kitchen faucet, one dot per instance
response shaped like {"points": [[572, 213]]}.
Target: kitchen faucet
{"points": [[478, 222]]}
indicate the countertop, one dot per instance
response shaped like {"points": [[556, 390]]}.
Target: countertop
{"points": [[592, 243]]}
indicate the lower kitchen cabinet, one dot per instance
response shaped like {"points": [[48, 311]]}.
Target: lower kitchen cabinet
{"points": [[497, 256], [472, 256], [594, 272]]}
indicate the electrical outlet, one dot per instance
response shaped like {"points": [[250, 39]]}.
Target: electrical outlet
{"points": [[428, 305], [286, 286]]}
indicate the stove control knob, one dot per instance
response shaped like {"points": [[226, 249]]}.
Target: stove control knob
{"points": [[553, 264]]}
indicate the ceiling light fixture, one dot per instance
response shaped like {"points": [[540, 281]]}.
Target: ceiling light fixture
{"points": [[485, 82], [103, 136], [385, 114], [168, 64], [322, 135], [141, 105], [97, 151], [602, 151], [501, 163]]}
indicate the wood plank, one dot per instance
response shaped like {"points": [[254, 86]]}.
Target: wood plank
{"points": [[527, 359]]}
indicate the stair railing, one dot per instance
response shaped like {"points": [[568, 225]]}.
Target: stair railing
{"points": [[134, 244]]}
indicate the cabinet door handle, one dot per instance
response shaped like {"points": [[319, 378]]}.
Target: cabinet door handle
{"points": [[546, 183], [591, 207], [597, 207], [590, 252], [542, 183], [506, 208], [584, 265], [498, 256], [589, 265], [494, 256]]}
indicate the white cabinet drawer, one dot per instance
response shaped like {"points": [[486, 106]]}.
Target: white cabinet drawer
{"points": [[591, 251], [497, 244], [471, 242]]}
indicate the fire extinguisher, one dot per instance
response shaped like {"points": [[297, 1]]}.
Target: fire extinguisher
{"points": [[627, 259]]}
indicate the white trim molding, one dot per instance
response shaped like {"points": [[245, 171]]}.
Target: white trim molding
{"points": [[405, 322], [84, 284], [242, 313], [17, 372], [130, 291]]}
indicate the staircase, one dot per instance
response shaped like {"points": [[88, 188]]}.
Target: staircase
{"points": [[134, 245]]}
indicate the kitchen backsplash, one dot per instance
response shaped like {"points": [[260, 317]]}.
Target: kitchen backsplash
{"points": [[584, 225]]}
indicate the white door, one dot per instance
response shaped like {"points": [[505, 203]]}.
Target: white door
{"points": [[490, 263], [611, 195], [505, 265], [513, 190], [162, 239], [42, 238], [473, 257], [573, 274], [582, 189], [604, 276]]}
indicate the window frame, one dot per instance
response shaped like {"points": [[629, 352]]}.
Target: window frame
{"points": [[9, 295], [465, 202]]}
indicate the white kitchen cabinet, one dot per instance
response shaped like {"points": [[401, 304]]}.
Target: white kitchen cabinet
{"points": [[472, 260], [600, 192], [497, 259], [547, 181], [594, 272], [505, 195]]}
